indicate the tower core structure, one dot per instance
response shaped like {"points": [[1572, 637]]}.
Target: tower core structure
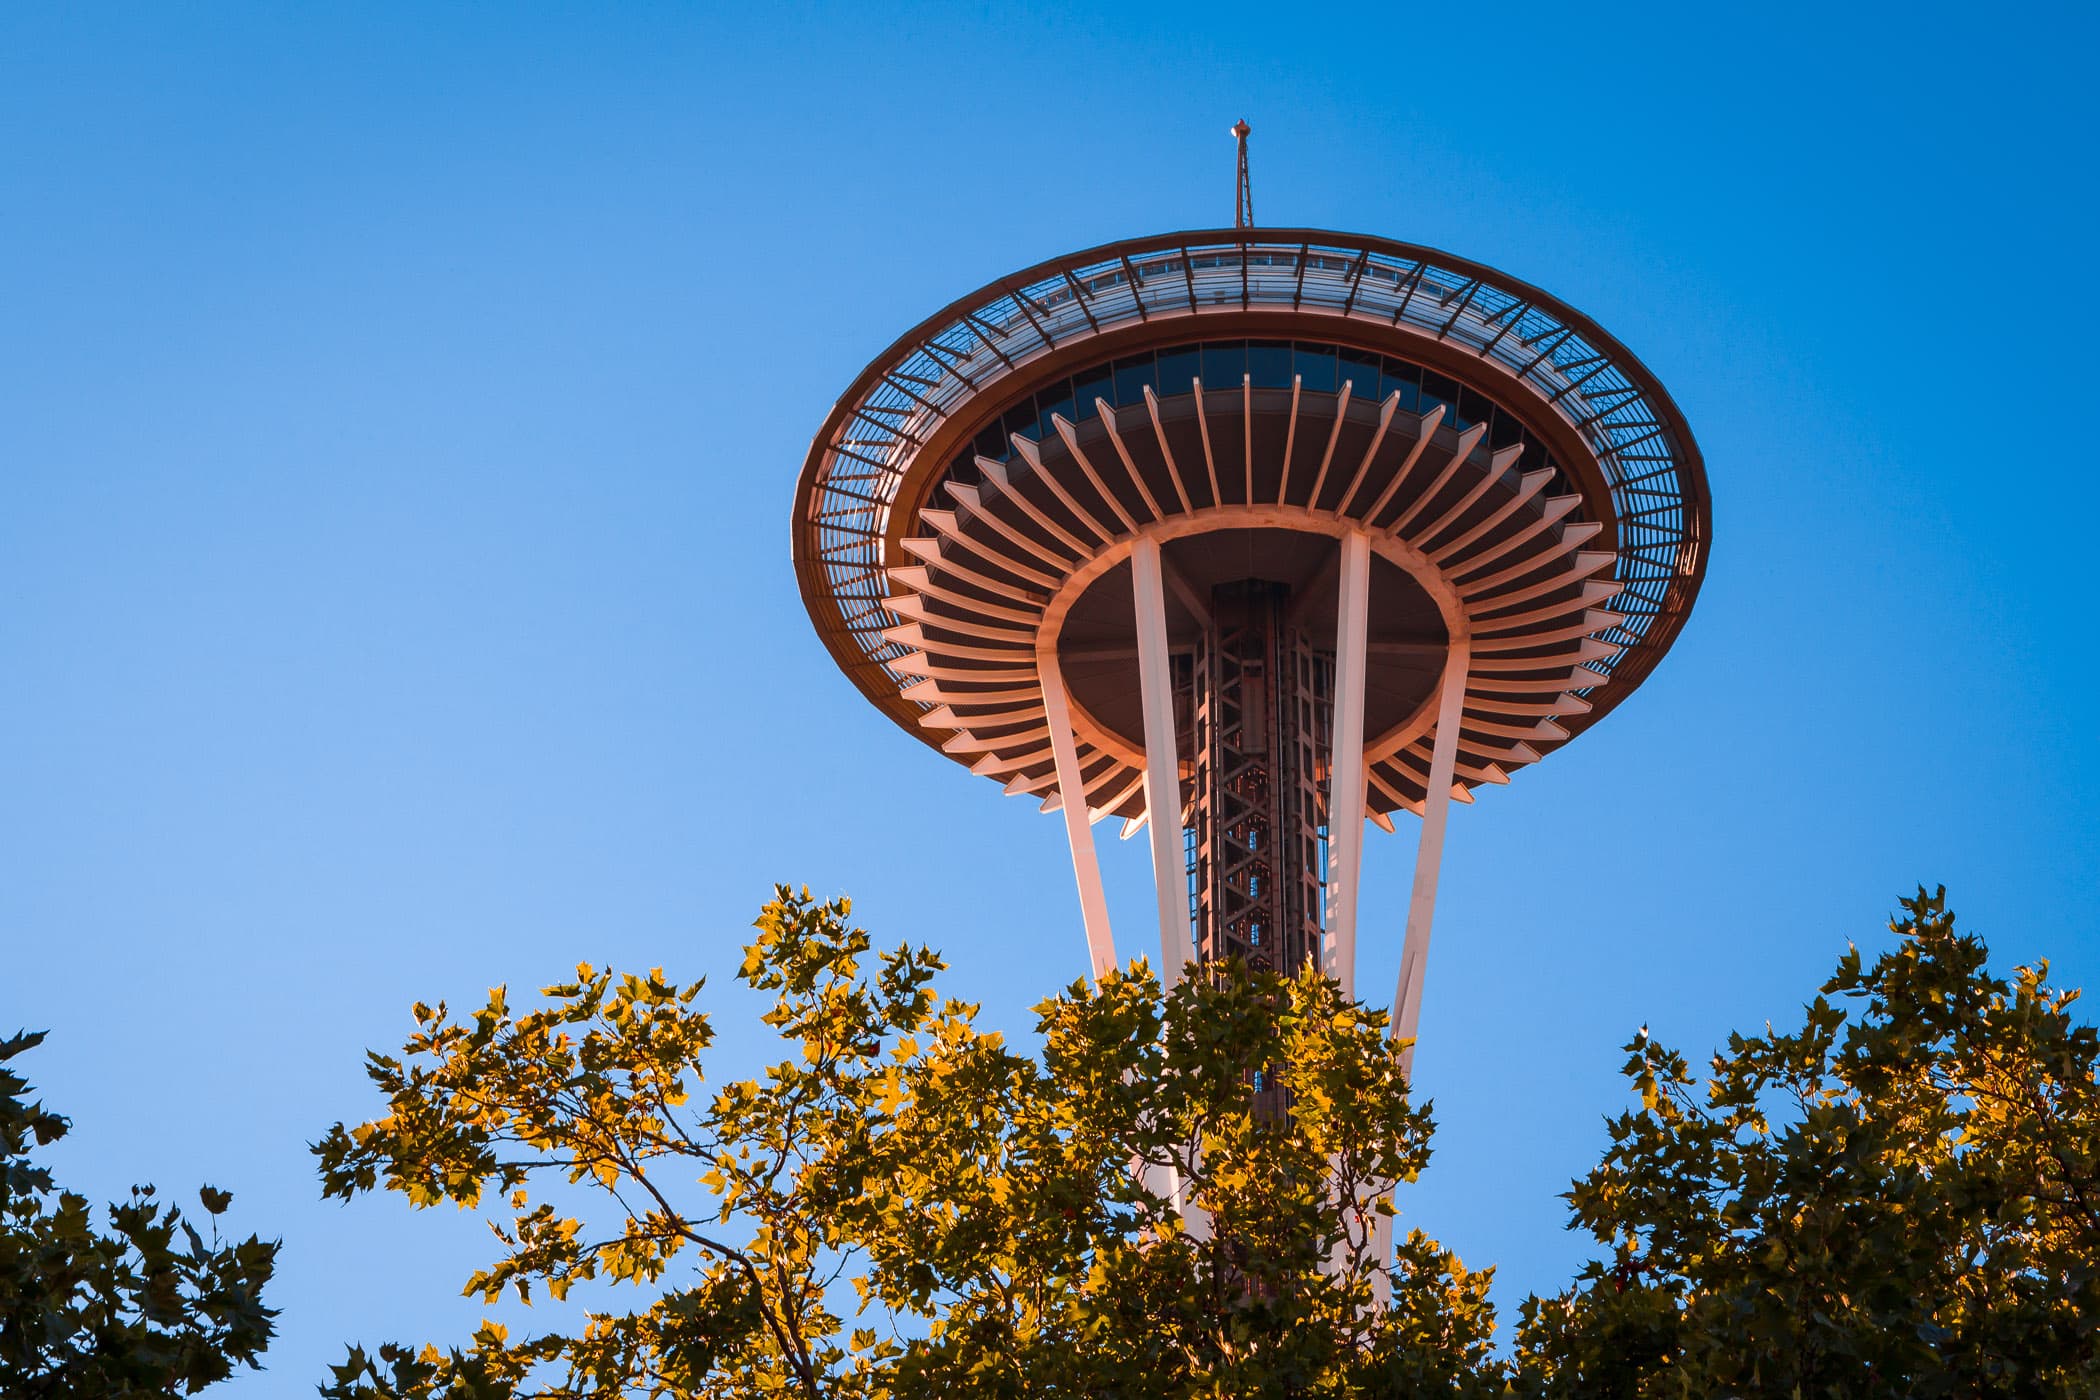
{"points": [[1247, 537]]}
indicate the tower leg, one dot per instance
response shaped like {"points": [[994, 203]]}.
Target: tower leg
{"points": [[1381, 1256], [1162, 766], [1079, 831], [1429, 856], [1345, 800]]}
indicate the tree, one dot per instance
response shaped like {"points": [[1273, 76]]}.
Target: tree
{"points": [[1901, 1198], [1898, 1199], [905, 1206], [148, 1310]]}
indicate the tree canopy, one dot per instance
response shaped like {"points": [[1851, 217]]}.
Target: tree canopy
{"points": [[904, 1206], [1902, 1197], [1896, 1199], [149, 1309]]}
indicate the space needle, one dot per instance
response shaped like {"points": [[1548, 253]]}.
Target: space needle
{"points": [[1247, 538]]}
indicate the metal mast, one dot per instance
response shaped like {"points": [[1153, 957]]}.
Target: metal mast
{"points": [[1243, 196]]}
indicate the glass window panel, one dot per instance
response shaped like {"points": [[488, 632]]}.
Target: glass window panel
{"points": [[1361, 370], [991, 442], [1269, 361], [1096, 383], [1473, 407], [1224, 361], [1018, 419], [1176, 369], [1503, 429], [1315, 365], [1055, 399], [1398, 376], [1132, 375], [1436, 389]]}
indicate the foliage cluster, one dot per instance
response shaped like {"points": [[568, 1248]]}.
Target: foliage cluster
{"points": [[1899, 1198], [905, 1206], [149, 1309]]}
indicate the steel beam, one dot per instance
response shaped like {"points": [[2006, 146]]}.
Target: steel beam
{"points": [[1162, 765], [1079, 831], [1345, 793], [1429, 856]]}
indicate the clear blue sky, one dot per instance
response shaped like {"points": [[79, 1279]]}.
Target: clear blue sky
{"points": [[401, 408]]}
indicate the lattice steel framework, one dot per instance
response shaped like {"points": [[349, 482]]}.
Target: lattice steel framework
{"points": [[1260, 744], [1257, 700]]}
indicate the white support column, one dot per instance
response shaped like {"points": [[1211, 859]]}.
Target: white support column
{"points": [[1345, 787], [1079, 831], [1429, 856], [1381, 1254], [1162, 766]]}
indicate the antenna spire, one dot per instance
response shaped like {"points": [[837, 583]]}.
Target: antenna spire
{"points": [[1243, 196]]}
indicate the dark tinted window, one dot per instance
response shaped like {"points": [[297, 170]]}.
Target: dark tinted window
{"points": [[1094, 384], [1473, 407], [1535, 456], [1315, 365], [1438, 390], [1397, 376], [1055, 399], [1504, 430], [1223, 364], [1361, 370], [1131, 377], [1271, 364], [1269, 361], [1018, 419], [1176, 369]]}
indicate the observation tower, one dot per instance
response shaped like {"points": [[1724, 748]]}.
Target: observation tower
{"points": [[1250, 536]]}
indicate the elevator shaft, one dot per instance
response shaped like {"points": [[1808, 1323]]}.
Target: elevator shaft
{"points": [[1259, 719]]}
